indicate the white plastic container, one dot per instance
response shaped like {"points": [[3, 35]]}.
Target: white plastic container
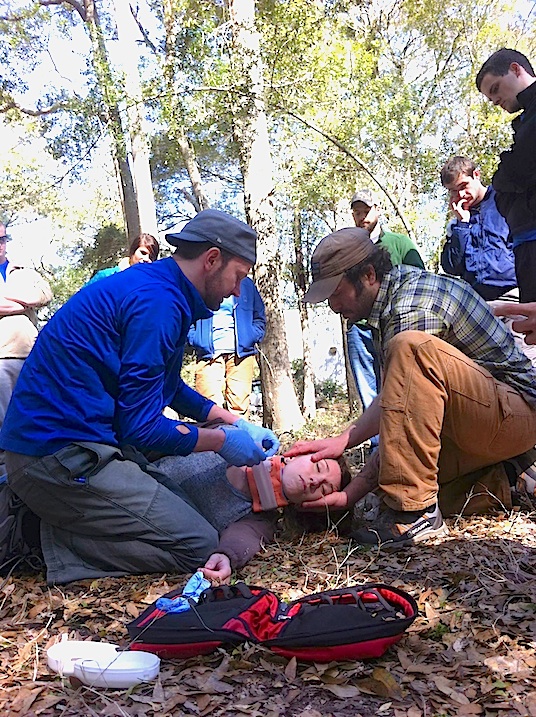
{"points": [[100, 664], [127, 669], [62, 656]]}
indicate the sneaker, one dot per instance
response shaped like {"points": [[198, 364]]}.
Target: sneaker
{"points": [[398, 529], [19, 534], [526, 483]]}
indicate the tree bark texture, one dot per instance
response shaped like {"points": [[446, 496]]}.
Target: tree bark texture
{"points": [[107, 86], [280, 404], [300, 282], [127, 30]]}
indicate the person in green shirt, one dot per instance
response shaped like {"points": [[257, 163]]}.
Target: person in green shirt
{"points": [[366, 211]]}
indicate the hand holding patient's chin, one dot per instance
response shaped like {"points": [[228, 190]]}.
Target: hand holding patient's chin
{"points": [[338, 500]]}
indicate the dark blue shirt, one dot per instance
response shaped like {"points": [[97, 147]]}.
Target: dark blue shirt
{"points": [[106, 365]]}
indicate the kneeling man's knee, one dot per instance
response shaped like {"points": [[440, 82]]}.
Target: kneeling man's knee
{"points": [[407, 342]]}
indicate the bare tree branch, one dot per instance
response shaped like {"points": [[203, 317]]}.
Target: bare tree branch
{"points": [[356, 159], [5, 107], [79, 7], [150, 44]]}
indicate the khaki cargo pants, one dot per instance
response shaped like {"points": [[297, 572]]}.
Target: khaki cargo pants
{"points": [[447, 424]]}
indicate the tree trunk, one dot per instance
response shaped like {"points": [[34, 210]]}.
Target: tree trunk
{"points": [[103, 72], [300, 282], [172, 107], [192, 167], [280, 404], [127, 30]]}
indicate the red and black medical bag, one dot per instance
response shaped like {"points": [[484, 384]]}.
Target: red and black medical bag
{"points": [[345, 624]]}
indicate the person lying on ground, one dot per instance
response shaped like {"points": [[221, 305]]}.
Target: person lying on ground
{"points": [[458, 397], [524, 318], [241, 503]]}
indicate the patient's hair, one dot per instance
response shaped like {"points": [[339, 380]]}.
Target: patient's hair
{"points": [[298, 521]]}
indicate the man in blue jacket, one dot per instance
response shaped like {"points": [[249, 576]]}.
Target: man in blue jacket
{"points": [[477, 247], [88, 407], [226, 347]]}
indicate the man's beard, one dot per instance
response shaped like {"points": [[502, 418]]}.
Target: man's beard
{"points": [[213, 291]]}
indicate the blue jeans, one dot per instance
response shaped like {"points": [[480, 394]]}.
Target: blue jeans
{"points": [[365, 366]]}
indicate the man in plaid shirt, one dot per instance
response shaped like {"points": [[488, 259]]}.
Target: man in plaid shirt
{"points": [[458, 397]]}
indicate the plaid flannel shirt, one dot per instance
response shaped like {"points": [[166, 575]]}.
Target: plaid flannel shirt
{"points": [[410, 299]]}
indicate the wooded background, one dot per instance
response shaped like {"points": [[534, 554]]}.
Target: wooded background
{"points": [[275, 110]]}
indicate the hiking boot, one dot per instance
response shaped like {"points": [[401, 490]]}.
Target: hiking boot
{"points": [[522, 477], [399, 529], [526, 483], [19, 534]]}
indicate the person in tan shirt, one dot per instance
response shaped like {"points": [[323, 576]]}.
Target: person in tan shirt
{"points": [[22, 291]]}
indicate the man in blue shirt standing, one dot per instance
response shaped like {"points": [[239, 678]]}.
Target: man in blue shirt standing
{"points": [[226, 346], [89, 406]]}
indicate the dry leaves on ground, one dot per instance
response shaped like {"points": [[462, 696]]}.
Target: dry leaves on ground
{"points": [[471, 651]]}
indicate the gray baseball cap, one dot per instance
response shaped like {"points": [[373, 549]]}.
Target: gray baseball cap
{"points": [[220, 229]]}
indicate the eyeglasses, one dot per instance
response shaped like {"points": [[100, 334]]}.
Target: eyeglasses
{"points": [[5, 238]]}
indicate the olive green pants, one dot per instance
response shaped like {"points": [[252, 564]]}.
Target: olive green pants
{"points": [[104, 513]]}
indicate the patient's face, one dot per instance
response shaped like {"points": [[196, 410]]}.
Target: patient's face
{"points": [[304, 480]]}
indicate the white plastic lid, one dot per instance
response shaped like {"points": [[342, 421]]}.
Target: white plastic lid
{"points": [[62, 656], [100, 664]]}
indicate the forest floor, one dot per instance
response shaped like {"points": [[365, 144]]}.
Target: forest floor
{"points": [[471, 651]]}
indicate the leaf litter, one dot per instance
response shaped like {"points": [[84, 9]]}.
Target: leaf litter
{"points": [[471, 651]]}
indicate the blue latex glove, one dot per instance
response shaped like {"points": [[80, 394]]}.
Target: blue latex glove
{"points": [[239, 448], [192, 590], [262, 436]]}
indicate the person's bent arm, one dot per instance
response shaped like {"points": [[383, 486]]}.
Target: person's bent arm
{"points": [[453, 252], [27, 287], [524, 318], [9, 307], [244, 538], [366, 426], [239, 542]]}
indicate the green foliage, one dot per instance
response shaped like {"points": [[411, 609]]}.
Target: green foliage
{"points": [[107, 249], [392, 81], [330, 390], [436, 633], [65, 282]]}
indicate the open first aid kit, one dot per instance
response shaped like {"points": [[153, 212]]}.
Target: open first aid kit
{"points": [[352, 623]]}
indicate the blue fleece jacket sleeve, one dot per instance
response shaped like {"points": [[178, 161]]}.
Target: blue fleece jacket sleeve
{"points": [[453, 254], [259, 317]]}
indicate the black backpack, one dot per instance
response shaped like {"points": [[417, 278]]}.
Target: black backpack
{"points": [[351, 623]]}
